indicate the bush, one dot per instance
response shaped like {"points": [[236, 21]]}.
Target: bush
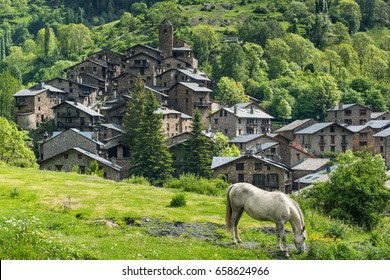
{"points": [[178, 200], [192, 183], [137, 180]]}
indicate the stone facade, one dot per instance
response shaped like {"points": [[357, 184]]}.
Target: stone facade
{"points": [[67, 160], [235, 121], [33, 106], [66, 140], [174, 122], [71, 114], [85, 94], [144, 65], [325, 137], [350, 114], [261, 172], [382, 145], [185, 97]]}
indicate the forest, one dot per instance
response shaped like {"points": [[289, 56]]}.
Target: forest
{"points": [[297, 58]]}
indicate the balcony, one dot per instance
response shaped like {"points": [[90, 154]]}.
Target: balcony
{"points": [[252, 125], [68, 114], [20, 103], [140, 65]]}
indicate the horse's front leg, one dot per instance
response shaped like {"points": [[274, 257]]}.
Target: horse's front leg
{"points": [[281, 237]]}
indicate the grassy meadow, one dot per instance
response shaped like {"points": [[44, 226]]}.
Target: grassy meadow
{"points": [[55, 215]]}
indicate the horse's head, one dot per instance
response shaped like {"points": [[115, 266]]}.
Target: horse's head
{"points": [[299, 240]]}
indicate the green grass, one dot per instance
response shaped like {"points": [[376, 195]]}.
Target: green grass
{"points": [[55, 215]]}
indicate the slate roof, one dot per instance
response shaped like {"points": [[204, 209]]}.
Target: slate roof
{"points": [[345, 106], [245, 138], [311, 164], [383, 133], [195, 87], [293, 125], [375, 124], [192, 74], [113, 126], [82, 108], [220, 161], [98, 158], [375, 115], [246, 113], [314, 128], [320, 176], [86, 134], [266, 146], [35, 90], [166, 111]]}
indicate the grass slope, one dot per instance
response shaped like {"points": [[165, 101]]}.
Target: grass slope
{"points": [[55, 215]]}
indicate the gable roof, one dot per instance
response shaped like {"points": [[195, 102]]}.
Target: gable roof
{"points": [[291, 126], [245, 138], [311, 164], [142, 53], [144, 46], [316, 127], [374, 124], [246, 113], [195, 87], [376, 115], [341, 107], [92, 156], [113, 126], [383, 133], [85, 134], [193, 74], [81, 107], [37, 89], [166, 111], [74, 82], [87, 60], [220, 161]]}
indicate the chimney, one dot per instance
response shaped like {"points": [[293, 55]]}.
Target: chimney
{"points": [[341, 105], [235, 109], [41, 85], [252, 109], [195, 70], [75, 101]]}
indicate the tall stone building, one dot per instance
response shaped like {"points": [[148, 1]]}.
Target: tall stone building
{"points": [[166, 38]]}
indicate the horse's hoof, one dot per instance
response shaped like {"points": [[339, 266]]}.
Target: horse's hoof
{"points": [[239, 241]]}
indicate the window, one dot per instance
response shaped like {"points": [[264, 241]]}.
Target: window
{"points": [[58, 167], [382, 150], [66, 156], [79, 156], [297, 157], [332, 139], [343, 148], [273, 150], [241, 178], [216, 121], [331, 128], [333, 149], [239, 166], [258, 180], [258, 166], [273, 180]]}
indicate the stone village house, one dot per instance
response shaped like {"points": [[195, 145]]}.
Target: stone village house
{"points": [[33, 106], [261, 172]]}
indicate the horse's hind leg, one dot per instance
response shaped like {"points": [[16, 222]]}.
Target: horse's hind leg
{"points": [[236, 215]]}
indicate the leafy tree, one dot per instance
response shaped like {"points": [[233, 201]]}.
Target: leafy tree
{"points": [[14, 146], [350, 15], [93, 169], [301, 49], [73, 39], [222, 148], [150, 157], [355, 192], [255, 31], [232, 63], [230, 92], [9, 85], [198, 151], [255, 64], [339, 34], [205, 41]]}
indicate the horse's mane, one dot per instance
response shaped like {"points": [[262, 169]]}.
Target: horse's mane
{"points": [[299, 212]]}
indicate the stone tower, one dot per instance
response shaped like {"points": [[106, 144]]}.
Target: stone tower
{"points": [[166, 38]]}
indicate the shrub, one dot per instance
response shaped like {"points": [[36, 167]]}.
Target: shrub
{"points": [[178, 200], [137, 180], [192, 183], [93, 169]]}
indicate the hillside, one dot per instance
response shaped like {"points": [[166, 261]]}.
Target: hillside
{"points": [[55, 215]]}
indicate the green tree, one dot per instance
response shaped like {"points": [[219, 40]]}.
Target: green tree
{"points": [[350, 15], [301, 50], [93, 169], [230, 92], [133, 114], [198, 151], [14, 146], [205, 40], [232, 63], [356, 191], [221, 147], [9, 85], [150, 157]]}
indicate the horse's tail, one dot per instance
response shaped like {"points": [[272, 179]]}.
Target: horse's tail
{"points": [[228, 210]]}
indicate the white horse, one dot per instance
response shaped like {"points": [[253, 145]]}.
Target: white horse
{"points": [[265, 206]]}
